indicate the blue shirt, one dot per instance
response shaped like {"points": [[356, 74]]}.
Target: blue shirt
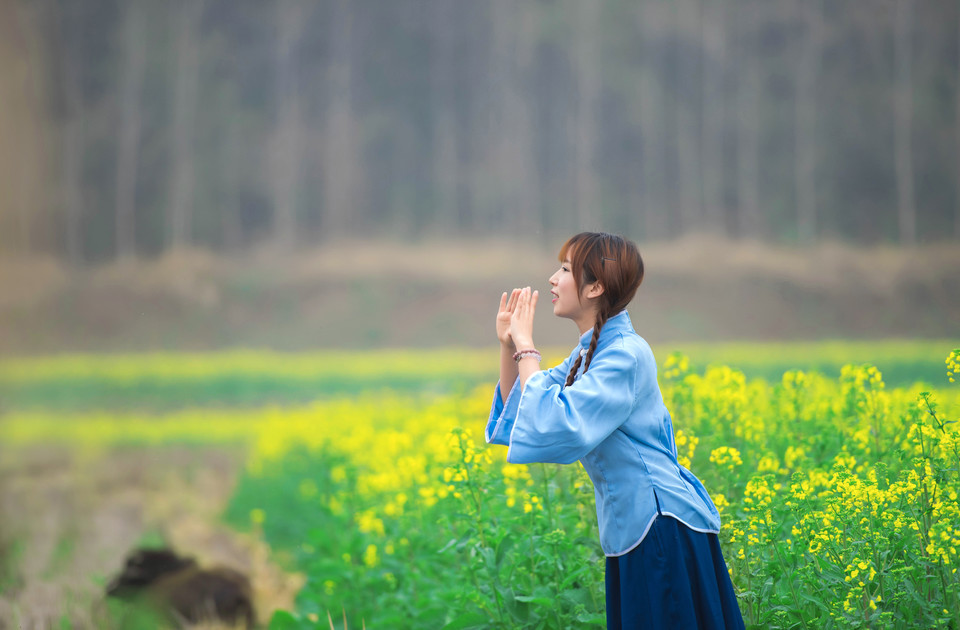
{"points": [[612, 419]]}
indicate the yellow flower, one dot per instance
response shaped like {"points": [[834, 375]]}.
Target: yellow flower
{"points": [[370, 557]]}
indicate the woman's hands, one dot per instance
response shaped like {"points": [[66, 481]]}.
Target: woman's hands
{"points": [[515, 332], [504, 315], [515, 318]]}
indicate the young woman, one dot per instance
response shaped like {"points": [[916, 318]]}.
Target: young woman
{"points": [[603, 407]]}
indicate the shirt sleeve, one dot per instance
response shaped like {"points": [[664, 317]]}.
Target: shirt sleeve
{"points": [[503, 413], [550, 423]]}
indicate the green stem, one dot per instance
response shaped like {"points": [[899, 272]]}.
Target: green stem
{"points": [[786, 572], [474, 493]]}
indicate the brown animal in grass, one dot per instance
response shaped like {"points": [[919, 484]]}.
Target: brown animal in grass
{"points": [[182, 591]]}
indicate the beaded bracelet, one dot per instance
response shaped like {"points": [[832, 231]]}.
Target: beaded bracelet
{"points": [[526, 353]]}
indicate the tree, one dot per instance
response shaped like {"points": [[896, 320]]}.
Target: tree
{"points": [[73, 134], [749, 217], [128, 149], [652, 107], [285, 148], [687, 115], [713, 95], [445, 147], [903, 97], [23, 206], [956, 210], [187, 16], [588, 69], [341, 157], [805, 127], [511, 153]]}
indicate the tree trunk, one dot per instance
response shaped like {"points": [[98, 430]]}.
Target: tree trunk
{"points": [[588, 93], [188, 14], [956, 216], [341, 156], [73, 136], [512, 152], [805, 127], [714, 46], [446, 166], [231, 237], [652, 202], [128, 150], [23, 166], [903, 91], [687, 118], [285, 149], [749, 217]]}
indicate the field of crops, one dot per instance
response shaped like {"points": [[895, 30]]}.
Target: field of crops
{"points": [[840, 494]]}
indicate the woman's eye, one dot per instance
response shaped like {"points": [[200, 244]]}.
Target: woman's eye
{"points": [[563, 268]]}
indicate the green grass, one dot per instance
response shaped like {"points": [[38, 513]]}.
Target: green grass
{"points": [[165, 382]]}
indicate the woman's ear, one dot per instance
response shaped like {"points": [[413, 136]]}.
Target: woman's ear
{"points": [[594, 291]]}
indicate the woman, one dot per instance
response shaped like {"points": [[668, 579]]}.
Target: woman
{"points": [[602, 406]]}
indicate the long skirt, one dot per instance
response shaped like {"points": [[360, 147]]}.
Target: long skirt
{"points": [[674, 579]]}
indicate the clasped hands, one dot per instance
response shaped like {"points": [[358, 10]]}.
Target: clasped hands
{"points": [[515, 318]]}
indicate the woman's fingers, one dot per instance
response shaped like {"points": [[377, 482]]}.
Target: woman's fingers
{"points": [[514, 296], [508, 302], [521, 321], [523, 303], [530, 303]]}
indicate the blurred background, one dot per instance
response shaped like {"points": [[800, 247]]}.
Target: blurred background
{"points": [[294, 174]]}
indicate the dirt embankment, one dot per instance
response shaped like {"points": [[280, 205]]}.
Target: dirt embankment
{"points": [[363, 294], [70, 516]]}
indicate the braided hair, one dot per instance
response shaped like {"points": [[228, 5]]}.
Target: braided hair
{"points": [[615, 263]]}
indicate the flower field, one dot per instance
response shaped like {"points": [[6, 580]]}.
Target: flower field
{"points": [[840, 495]]}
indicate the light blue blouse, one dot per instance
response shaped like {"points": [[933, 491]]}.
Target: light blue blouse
{"points": [[612, 419]]}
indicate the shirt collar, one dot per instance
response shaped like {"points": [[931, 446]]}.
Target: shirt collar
{"points": [[617, 323]]}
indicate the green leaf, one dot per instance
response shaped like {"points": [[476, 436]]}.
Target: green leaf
{"points": [[573, 577], [502, 548], [535, 599], [468, 620], [592, 619]]}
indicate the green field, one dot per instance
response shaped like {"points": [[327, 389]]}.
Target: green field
{"points": [[367, 475], [247, 378]]}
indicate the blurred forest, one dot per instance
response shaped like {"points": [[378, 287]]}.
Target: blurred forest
{"points": [[133, 127], [204, 174]]}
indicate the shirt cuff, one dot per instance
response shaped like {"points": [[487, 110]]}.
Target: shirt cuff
{"points": [[503, 415]]}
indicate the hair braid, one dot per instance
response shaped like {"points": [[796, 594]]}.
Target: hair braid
{"points": [[573, 371], [572, 376], [601, 320]]}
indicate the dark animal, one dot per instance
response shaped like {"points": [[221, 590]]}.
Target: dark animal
{"points": [[177, 588]]}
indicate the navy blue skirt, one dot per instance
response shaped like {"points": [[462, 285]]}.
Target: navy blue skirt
{"points": [[675, 578]]}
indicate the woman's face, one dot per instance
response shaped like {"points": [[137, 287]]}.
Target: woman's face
{"points": [[567, 300]]}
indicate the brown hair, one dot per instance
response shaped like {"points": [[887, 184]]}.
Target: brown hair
{"points": [[613, 261]]}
